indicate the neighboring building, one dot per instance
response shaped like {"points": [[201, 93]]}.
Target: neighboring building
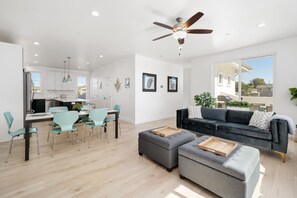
{"points": [[265, 90], [225, 78]]}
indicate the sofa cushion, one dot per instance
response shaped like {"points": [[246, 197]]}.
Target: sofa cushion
{"points": [[214, 114], [194, 111], [240, 117], [209, 124], [244, 130], [260, 118]]}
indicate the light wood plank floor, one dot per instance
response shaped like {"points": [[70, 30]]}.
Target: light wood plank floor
{"points": [[116, 170]]}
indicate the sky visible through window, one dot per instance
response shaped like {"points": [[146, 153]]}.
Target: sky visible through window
{"points": [[262, 68], [35, 78], [81, 81]]}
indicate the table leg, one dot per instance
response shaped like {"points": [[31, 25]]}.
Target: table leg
{"points": [[116, 125], [27, 141]]}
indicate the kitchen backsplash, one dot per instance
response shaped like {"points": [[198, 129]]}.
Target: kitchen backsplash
{"points": [[55, 94]]}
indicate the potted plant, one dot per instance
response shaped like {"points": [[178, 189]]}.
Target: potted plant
{"points": [[293, 92], [238, 105], [77, 107], [205, 100]]}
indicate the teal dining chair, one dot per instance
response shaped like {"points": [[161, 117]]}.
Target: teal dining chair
{"points": [[65, 121], [9, 120], [55, 110], [98, 117], [112, 118], [83, 120]]}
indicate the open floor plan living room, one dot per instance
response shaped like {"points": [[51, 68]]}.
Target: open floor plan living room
{"points": [[146, 98]]}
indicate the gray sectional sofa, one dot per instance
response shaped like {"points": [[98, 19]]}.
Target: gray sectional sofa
{"points": [[233, 125]]}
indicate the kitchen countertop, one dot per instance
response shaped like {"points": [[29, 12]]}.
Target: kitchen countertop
{"points": [[68, 99], [71, 100]]}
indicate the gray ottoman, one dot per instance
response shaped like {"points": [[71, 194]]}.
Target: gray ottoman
{"points": [[233, 176], [163, 149]]}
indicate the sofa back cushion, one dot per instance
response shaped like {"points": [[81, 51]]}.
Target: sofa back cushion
{"points": [[240, 117], [214, 114]]}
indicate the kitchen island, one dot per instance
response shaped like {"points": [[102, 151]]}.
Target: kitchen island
{"points": [[69, 102]]}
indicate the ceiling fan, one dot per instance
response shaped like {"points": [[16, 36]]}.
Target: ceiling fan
{"points": [[180, 30]]}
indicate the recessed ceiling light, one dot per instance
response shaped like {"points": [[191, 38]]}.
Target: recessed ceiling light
{"points": [[87, 63], [261, 25], [35, 61], [101, 56], [36, 55], [78, 67], [227, 34], [36, 43], [95, 13]]}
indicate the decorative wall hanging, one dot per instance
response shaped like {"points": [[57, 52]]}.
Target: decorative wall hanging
{"points": [[127, 82], [117, 85], [149, 82], [172, 84]]}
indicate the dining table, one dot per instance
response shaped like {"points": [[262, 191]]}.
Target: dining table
{"points": [[44, 117]]}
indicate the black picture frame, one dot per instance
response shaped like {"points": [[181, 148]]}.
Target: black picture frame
{"points": [[172, 84], [149, 82]]}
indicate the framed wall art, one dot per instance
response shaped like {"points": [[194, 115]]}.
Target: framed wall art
{"points": [[127, 82], [172, 84], [149, 82]]}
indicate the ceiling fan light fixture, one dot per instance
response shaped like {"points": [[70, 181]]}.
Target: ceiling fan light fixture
{"points": [[180, 34]]}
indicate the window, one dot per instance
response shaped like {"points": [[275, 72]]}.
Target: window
{"points": [[82, 87], [36, 79], [220, 79], [229, 80], [249, 80]]}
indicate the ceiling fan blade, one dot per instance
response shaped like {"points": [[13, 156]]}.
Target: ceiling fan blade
{"points": [[193, 19], [162, 37], [199, 31], [181, 41], [163, 25]]}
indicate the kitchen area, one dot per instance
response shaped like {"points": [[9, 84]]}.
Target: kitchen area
{"points": [[46, 87]]}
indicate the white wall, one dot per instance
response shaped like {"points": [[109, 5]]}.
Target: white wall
{"points": [[11, 64], [125, 97], [150, 106], [284, 72], [187, 87]]}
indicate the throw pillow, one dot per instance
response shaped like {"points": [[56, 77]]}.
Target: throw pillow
{"points": [[259, 119], [194, 111]]}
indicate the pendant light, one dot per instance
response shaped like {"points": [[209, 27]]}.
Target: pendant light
{"points": [[64, 78], [68, 77]]}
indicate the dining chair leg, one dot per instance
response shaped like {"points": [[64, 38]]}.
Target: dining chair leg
{"points": [[48, 134], [90, 133], [53, 144], [106, 137], [37, 143], [77, 140], [9, 149]]}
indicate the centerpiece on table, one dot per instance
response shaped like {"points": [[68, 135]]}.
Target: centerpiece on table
{"points": [[77, 107]]}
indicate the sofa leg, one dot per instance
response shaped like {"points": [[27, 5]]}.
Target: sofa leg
{"points": [[140, 153], [169, 169], [181, 177], [283, 155]]}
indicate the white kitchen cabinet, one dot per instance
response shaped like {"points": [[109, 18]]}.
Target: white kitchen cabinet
{"points": [[58, 82], [50, 81]]}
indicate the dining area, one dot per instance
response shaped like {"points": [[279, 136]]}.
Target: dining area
{"points": [[77, 127]]}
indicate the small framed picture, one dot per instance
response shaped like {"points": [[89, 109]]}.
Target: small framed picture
{"points": [[149, 82], [172, 84], [127, 82]]}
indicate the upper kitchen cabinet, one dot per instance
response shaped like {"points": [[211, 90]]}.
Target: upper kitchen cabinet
{"points": [[50, 81]]}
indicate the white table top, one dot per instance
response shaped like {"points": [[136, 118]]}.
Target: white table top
{"points": [[44, 116]]}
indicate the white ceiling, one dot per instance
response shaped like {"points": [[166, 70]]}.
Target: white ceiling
{"points": [[66, 28]]}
